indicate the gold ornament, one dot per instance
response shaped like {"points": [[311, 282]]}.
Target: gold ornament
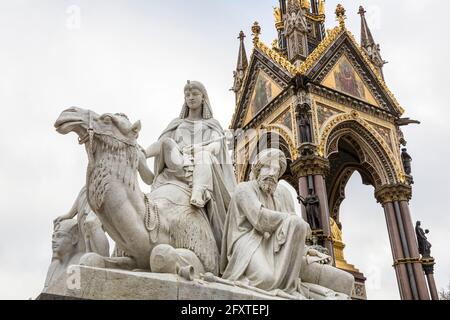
{"points": [[278, 18], [275, 44], [321, 7], [340, 15], [256, 31], [306, 4], [277, 14]]}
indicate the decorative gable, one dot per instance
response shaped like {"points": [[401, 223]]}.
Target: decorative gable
{"points": [[264, 81], [320, 67], [344, 78], [263, 93]]}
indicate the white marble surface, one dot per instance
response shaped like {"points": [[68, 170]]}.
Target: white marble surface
{"points": [[108, 284]]}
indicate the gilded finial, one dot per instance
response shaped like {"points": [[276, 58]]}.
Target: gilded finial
{"points": [[340, 15], [275, 44], [256, 30]]}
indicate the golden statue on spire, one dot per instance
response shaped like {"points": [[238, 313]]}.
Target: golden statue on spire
{"points": [[321, 7], [340, 15], [256, 31], [278, 18], [306, 4], [277, 15]]}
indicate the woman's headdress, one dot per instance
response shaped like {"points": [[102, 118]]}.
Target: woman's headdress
{"points": [[207, 111]]}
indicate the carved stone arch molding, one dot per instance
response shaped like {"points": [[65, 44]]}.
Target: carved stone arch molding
{"points": [[339, 183], [373, 152], [368, 161], [288, 138]]}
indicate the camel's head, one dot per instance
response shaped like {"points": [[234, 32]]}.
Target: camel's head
{"points": [[81, 121]]}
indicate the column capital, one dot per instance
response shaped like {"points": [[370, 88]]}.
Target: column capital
{"points": [[310, 163], [428, 265], [393, 192]]}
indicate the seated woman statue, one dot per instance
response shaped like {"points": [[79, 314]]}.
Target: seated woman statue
{"points": [[194, 177]]}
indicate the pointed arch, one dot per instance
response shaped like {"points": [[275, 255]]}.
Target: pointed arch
{"points": [[273, 136], [373, 152]]}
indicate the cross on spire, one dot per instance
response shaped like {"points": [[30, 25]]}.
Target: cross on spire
{"points": [[242, 65]]}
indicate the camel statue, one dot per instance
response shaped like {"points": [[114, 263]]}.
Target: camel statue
{"points": [[143, 227]]}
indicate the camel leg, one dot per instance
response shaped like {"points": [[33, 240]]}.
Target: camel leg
{"points": [[166, 259], [97, 261], [327, 276], [95, 238]]}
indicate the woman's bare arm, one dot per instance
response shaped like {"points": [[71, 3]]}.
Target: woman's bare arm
{"points": [[153, 150], [144, 171]]}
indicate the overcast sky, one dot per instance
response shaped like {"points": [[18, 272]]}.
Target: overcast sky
{"points": [[134, 56]]}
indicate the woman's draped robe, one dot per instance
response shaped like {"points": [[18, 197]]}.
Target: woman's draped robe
{"points": [[196, 229], [248, 254]]}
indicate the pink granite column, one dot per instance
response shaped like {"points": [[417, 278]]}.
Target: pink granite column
{"points": [[321, 192], [303, 192], [397, 252], [414, 251], [432, 285]]}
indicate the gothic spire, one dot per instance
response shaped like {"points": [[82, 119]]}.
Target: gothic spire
{"points": [[242, 64], [368, 43], [293, 5], [366, 34], [296, 31]]}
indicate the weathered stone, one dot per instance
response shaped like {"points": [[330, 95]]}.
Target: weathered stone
{"points": [[106, 284]]}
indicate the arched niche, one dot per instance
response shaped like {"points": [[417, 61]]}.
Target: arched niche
{"points": [[272, 139]]}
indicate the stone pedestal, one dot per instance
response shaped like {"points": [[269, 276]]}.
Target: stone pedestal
{"points": [[87, 283], [359, 291], [105, 284]]}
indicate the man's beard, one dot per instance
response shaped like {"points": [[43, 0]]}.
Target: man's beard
{"points": [[268, 184]]}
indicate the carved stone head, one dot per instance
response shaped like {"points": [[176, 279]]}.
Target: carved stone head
{"points": [[268, 168], [196, 96], [65, 238], [80, 121]]}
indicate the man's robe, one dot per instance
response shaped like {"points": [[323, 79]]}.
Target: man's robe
{"points": [[264, 239]]}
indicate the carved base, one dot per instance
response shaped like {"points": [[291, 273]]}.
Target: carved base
{"points": [[359, 292], [87, 283]]}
